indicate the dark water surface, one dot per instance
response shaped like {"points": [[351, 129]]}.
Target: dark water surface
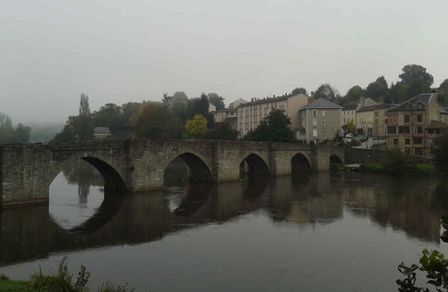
{"points": [[323, 232]]}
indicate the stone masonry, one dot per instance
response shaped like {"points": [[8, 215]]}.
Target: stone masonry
{"points": [[26, 171]]}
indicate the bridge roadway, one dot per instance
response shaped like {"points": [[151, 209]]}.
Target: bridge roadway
{"points": [[26, 171]]}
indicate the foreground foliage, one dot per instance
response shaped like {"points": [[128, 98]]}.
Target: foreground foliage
{"points": [[61, 281]]}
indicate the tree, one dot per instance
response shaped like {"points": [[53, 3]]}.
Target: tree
{"points": [[349, 127], [7, 132], [109, 115], [416, 80], [216, 100], [443, 93], [325, 91], [275, 127], [377, 89], [416, 73], [354, 94], [83, 123], [22, 134], [155, 120], [440, 152], [299, 90], [84, 110], [196, 127], [222, 131]]}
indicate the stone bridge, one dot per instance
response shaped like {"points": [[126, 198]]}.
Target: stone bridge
{"points": [[26, 171]]}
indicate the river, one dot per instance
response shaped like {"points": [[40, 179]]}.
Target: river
{"points": [[319, 232]]}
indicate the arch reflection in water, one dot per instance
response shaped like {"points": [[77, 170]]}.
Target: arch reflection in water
{"points": [[407, 206], [78, 201]]}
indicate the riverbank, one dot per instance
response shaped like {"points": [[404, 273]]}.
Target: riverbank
{"points": [[426, 169], [11, 285]]}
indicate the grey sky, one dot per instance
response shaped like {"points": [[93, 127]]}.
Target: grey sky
{"points": [[117, 51]]}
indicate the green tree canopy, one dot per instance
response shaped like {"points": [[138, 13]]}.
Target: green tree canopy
{"points": [[155, 120], [325, 91], [354, 94], [222, 131], [377, 89], [443, 93], [216, 100], [196, 127], [275, 127], [299, 90]]}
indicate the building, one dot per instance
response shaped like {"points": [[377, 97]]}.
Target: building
{"points": [[237, 103], [252, 113], [319, 121], [348, 113], [226, 115], [371, 120], [412, 124], [380, 120], [101, 132]]}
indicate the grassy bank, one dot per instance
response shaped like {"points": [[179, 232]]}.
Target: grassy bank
{"points": [[10, 285], [62, 280], [427, 169]]}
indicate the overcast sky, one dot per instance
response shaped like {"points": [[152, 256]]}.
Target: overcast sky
{"points": [[119, 51]]}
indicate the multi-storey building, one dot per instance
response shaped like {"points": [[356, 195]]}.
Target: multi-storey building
{"points": [[348, 113], [225, 115], [371, 120], [319, 121], [252, 113], [410, 125]]}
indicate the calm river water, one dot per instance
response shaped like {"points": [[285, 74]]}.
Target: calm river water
{"points": [[320, 232]]}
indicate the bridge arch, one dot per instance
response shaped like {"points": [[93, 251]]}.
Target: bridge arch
{"points": [[335, 161], [113, 181], [198, 168], [253, 165], [300, 164]]}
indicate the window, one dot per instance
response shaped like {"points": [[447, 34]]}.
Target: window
{"points": [[407, 130], [324, 122], [407, 119], [419, 105], [314, 113], [395, 141], [391, 130], [418, 151], [407, 141], [419, 118], [418, 140], [401, 129], [419, 130]]}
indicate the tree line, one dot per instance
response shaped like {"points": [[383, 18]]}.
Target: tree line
{"points": [[414, 79], [10, 134], [175, 116]]}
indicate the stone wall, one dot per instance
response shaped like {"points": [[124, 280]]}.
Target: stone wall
{"points": [[26, 171]]}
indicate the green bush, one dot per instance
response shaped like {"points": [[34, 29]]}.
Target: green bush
{"points": [[396, 163]]}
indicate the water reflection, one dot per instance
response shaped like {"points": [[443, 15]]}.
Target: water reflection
{"points": [[408, 205]]}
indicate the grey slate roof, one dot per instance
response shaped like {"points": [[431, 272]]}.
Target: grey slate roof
{"points": [[322, 103], [423, 98]]}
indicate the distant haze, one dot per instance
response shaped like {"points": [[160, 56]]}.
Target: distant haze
{"points": [[118, 51]]}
